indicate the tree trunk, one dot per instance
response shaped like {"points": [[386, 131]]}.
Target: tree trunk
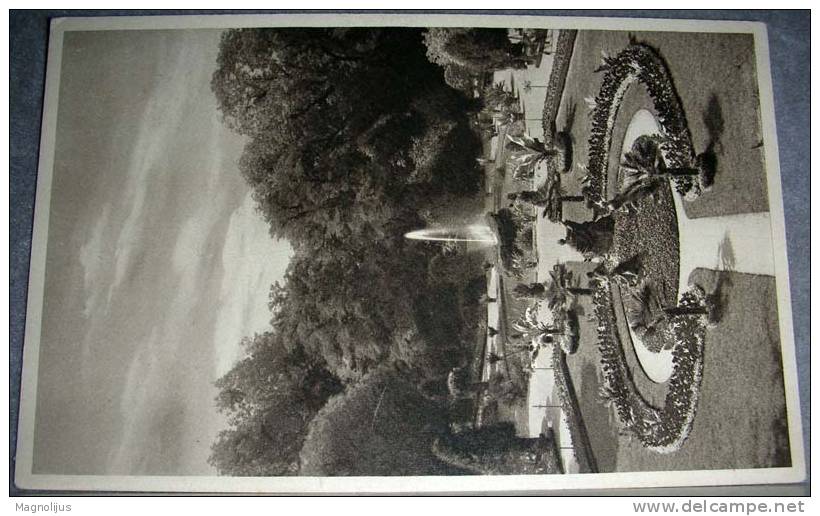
{"points": [[580, 291], [572, 198], [678, 172]]}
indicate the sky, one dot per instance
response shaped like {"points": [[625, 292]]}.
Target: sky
{"points": [[157, 263]]}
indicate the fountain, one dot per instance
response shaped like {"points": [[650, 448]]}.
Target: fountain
{"points": [[477, 233]]}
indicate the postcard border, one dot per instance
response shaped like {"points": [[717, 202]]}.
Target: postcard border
{"points": [[25, 479]]}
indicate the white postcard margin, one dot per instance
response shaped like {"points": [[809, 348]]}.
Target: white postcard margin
{"points": [[25, 479]]}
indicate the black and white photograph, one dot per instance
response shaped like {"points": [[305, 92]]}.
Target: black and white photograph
{"points": [[317, 253]]}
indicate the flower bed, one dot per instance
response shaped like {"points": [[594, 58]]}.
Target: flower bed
{"points": [[638, 62], [663, 430], [558, 77]]}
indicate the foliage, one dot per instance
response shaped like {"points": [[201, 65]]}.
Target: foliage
{"points": [[505, 389], [511, 231], [332, 115], [460, 78], [496, 450], [268, 397], [477, 49], [379, 426], [497, 99], [525, 154], [347, 150], [646, 318]]}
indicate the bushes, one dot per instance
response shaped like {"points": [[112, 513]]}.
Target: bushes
{"points": [[496, 450], [379, 426], [476, 49], [514, 259]]}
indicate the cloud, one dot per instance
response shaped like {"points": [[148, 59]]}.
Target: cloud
{"points": [[166, 119], [92, 258], [252, 261], [152, 255], [139, 388]]}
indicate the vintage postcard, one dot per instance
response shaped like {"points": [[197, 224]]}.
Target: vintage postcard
{"points": [[387, 253]]}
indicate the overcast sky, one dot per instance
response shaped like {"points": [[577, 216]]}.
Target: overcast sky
{"points": [[157, 262]]}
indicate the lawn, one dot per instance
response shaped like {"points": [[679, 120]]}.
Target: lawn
{"points": [[715, 77], [740, 421]]}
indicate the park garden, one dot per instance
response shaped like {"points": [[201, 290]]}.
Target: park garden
{"points": [[430, 321]]}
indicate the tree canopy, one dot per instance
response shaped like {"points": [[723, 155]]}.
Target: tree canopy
{"points": [[354, 139], [337, 120], [269, 397], [380, 426], [479, 49]]}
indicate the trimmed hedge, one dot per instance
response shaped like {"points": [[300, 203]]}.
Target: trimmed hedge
{"points": [[558, 77], [582, 447]]}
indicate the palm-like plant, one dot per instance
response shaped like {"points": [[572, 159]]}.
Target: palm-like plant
{"points": [[645, 170], [529, 86], [646, 159], [564, 288], [556, 197], [562, 330], [497, 98], [560, 292], [649, 317], [526, 153], [522, 216]]}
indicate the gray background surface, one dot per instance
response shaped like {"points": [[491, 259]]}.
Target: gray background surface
{"points": [[789, 45]]}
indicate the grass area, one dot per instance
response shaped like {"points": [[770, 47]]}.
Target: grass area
{"points": [[740, 421], [720, 101], [741, 415], [602, 434], [564, 385]]}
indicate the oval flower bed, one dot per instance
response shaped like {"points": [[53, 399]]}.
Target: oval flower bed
{"points": [[638, 62], [665, 429]]}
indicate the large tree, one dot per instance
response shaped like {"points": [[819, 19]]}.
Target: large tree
{"points": [[336, 120], [268, 397], [476, 49], [353, 140], [380, 426]]}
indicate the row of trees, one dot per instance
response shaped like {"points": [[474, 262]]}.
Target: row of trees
{"points": [[354, 138]]}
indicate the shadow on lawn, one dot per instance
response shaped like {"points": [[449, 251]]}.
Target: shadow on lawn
{"points": [[714, 121], [715, 125], [570, 116]]}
